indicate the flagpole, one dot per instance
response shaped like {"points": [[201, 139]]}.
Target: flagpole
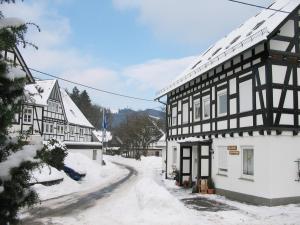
{"points": [[103, 112]]}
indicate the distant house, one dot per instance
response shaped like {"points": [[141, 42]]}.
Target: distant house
{"points": [[51, 113], [234, 114], [157, 148]]}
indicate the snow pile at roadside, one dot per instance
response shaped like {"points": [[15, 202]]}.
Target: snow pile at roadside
{"points": [[45, 173], [67, 186], [97, 176], [154, 197]]}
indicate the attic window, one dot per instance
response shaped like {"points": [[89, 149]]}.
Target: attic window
{"points": [[249, 33], [72, 112], [233, 41], [216, 51], [196, 64], [258, 25], [208, 50]]}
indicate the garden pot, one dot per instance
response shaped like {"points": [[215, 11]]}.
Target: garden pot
{"points": [[210, 191]]}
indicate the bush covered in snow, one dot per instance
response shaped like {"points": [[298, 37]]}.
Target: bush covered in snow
{"points": [[53, 153]]}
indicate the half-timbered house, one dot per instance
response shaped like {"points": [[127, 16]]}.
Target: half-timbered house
{"points": [[234, 114]]}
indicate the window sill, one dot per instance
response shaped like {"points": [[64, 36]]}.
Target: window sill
{"points": [[222, 175], [246, 179]]}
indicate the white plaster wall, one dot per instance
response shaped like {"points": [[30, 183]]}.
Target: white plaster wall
{"points": [[274, 166], [88, 153], [278, 45], [285, 150], [172, 144]]}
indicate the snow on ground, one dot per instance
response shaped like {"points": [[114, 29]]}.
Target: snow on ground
{"points": [[45, 173], [142, 200], [245, 213], [97, 176], [149, 199]]}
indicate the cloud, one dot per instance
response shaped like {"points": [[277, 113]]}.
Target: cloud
{"points": [[191, 21], [156, 74]]}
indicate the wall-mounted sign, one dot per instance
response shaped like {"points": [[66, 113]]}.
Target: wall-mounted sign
{"points": [[234, 152], [232, 148]]}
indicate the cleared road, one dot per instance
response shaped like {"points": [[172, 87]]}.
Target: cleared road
{"points": [[74, 203]]}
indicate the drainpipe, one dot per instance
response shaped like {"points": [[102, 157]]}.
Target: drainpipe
{"points": [[166, 172]]}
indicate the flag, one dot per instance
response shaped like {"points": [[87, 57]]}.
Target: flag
{"points": [[104, 121]]}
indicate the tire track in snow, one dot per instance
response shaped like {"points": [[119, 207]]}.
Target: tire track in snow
{"points": [[74, 203]]}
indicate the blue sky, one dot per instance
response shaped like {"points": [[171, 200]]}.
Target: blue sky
{"points": [[134, 47]]}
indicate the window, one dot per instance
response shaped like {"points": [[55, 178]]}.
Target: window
{"points": [[258, 25], [222, 160], [72, 130], [216, 51], [206, 108], [27, 115], [60, 129], [174, 155], [185, 113], [51, 129], [46, 128], [246, 96], [222, 103], [174, 116], [94, 154], [197, 109], [81, 131], [248, 161]]}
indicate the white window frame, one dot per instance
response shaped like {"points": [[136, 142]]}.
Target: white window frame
{"points": [[204, 101], [46, 128], [72, 130], [174, 117], [221, 93], [27, 117], [249, 105], [247, 176], [187, 113], [81, 131], [197, 102], [221, 169], [51, 128]]}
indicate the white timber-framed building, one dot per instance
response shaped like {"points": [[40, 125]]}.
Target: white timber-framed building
{"points": [[234, 114], [51, 113]]}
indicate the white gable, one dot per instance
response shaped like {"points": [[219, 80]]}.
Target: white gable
{"points": [[37, 97], [73, 113], [249, 34]]}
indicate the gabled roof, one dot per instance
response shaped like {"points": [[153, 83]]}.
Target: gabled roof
{"points": [[73, 113], [98, 135], [40, 97], [23, 65], [254, 31]]}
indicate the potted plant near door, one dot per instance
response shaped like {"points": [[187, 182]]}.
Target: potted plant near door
{"points": [[211, 186]]}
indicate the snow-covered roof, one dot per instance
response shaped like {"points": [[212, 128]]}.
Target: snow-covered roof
{"points": [[40, 97], [249, 34], [73, 113], [98, 135]]}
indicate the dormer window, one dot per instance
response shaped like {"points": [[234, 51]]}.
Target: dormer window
{"points": [[258, 25], [216, 51]]}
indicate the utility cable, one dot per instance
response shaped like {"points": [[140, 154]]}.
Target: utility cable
{"points": [[258, 6], [92, 88]]}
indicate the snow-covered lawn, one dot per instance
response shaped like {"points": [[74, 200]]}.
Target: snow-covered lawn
{"points": [[96, 176], [149, 199]]}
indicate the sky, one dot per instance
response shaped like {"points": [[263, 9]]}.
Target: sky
{"points": [[132, 47]]}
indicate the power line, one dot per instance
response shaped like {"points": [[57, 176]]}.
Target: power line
{"points": [[92, 88], [258, 6]]}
